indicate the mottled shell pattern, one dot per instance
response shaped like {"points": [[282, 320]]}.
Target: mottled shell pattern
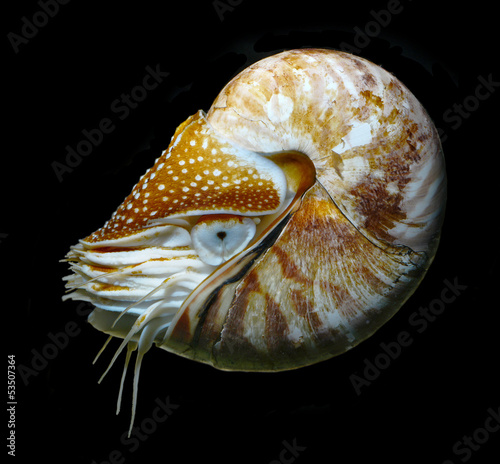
{"points": [[279, 229]]}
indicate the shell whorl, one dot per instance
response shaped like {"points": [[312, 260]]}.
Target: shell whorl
{"points": [[337, 268]]}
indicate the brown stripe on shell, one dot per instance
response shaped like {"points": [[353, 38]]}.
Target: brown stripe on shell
{"points": [[277, 333], [391, 160], [304, 307]]}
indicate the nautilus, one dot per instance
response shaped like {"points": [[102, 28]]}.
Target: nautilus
{"points": [[280, 228]]}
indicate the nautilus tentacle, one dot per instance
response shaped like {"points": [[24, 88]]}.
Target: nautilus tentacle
{"points": [[279, 229]]}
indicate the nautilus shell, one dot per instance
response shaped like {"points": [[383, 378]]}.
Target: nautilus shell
{"points": [[279, 229]]}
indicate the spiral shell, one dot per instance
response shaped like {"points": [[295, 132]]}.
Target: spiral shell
{"points": [[281, 228]]}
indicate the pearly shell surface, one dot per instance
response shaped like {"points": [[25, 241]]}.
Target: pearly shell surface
{"points": [[331, 172]]}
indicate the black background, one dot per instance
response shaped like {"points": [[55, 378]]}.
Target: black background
{"points": [[65, 79]]}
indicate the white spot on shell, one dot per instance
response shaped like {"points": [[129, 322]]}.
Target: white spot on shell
{"points": [[392, 188], [279, 108], [360, 134]]}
